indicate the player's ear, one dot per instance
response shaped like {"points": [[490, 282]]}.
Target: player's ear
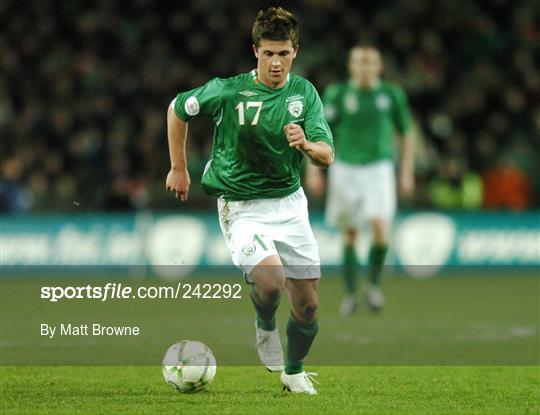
{"points": [[295, 51], [255, 51]]}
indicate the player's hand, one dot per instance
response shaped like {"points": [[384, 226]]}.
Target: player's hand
{"points": [[178, 181], [295, 136], [406, 185]]}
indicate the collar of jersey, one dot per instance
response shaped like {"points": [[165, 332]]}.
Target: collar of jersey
{"points": [[375, 87], [260, 83]]}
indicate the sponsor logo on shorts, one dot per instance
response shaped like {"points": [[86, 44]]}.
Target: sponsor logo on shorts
{"points": [[249, 250]]}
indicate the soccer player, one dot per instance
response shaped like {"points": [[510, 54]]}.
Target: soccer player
{"points": [[266, 121], [365, 113]]}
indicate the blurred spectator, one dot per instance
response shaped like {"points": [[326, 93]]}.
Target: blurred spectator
{"points": [[506, 186], [455, 187], [84, 86], [14, 196]]}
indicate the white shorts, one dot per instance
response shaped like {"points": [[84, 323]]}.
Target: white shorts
{"points": [[360, 193], [256, 229]]}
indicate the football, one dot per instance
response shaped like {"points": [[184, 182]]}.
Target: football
{"points": [[189, 366]]}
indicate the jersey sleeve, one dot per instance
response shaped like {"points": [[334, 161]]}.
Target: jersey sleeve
{"points": [[331, 106], [401, 115], [315, 126], [205, 100]]}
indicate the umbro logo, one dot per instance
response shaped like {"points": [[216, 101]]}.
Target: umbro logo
{"points": [[248, 93]]}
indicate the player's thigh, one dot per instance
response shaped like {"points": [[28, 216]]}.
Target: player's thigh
{"points": [[268, 276], [296, 243], [342, 198], [246, 236], [380, 198]]}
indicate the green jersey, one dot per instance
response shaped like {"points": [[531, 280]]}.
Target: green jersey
{"points": [[364, 120], [251, 157]]}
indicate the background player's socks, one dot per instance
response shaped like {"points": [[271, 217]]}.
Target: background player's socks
{"points": [[377, 255], [266, 319], [350, 265], [299, 339]]}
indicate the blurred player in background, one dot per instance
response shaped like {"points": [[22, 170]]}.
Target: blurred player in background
{"points": [[266, 120], [365, 113]]}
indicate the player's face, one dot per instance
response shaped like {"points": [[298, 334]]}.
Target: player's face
{"points": [[274, 61], [365, 66]]}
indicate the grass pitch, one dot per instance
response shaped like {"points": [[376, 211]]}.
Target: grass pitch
{"points": [[239, 390], [459, 345]]}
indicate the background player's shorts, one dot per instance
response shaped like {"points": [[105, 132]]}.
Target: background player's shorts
{"points": [[359, 193], [256, 229]]}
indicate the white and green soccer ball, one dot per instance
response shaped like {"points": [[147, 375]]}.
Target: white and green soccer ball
{"points": [[189, 366]]}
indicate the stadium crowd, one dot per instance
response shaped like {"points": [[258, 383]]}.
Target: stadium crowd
{"points": [[84, 89]]}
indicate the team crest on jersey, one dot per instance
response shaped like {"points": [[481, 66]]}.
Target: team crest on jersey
{"points": [[382, 102], [351, 103], [295, 108], [192, 106]]}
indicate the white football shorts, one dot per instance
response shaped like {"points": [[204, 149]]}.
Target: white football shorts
{"points": [[256, 229], [359, 193]]}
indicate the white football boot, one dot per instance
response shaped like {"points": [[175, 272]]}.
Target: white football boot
{"points": [[374, 298], [269, 348], [299, 383], [348, 305]]}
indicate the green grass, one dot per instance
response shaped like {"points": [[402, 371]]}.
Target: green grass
{"points": [[239, 390], [458, 345]]}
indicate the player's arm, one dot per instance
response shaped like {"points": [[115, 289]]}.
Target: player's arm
{"points": [[178, 180], [315, 179], [406, 166], [319, 153], [403, 123], [205, 100]]}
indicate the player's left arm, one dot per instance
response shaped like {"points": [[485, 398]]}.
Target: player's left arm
{"points": [[318, 152], [315, 139], [403, 123]]}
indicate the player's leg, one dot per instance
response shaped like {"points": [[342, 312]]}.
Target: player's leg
{"points": [[381, 209], [350, 271], [255, 254], [302, 328], [342, 204], [268, 282], [377, 256]]}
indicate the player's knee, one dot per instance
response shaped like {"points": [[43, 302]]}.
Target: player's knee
{"points": [[308, 310], [271, 290], [380, 231], [349, 236]]}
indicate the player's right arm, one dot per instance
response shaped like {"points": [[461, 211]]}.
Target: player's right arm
{"points": [[178, 180], [205, 100]]}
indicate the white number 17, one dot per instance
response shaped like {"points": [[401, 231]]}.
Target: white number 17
{"points": [[249, 104]]}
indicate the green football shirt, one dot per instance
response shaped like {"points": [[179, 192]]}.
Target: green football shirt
{"points": [[251, 157], [364, 121]]}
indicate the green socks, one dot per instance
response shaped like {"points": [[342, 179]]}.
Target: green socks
{"points": [[299, 339], [350, 264], [266, 319], [377, 255]]}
